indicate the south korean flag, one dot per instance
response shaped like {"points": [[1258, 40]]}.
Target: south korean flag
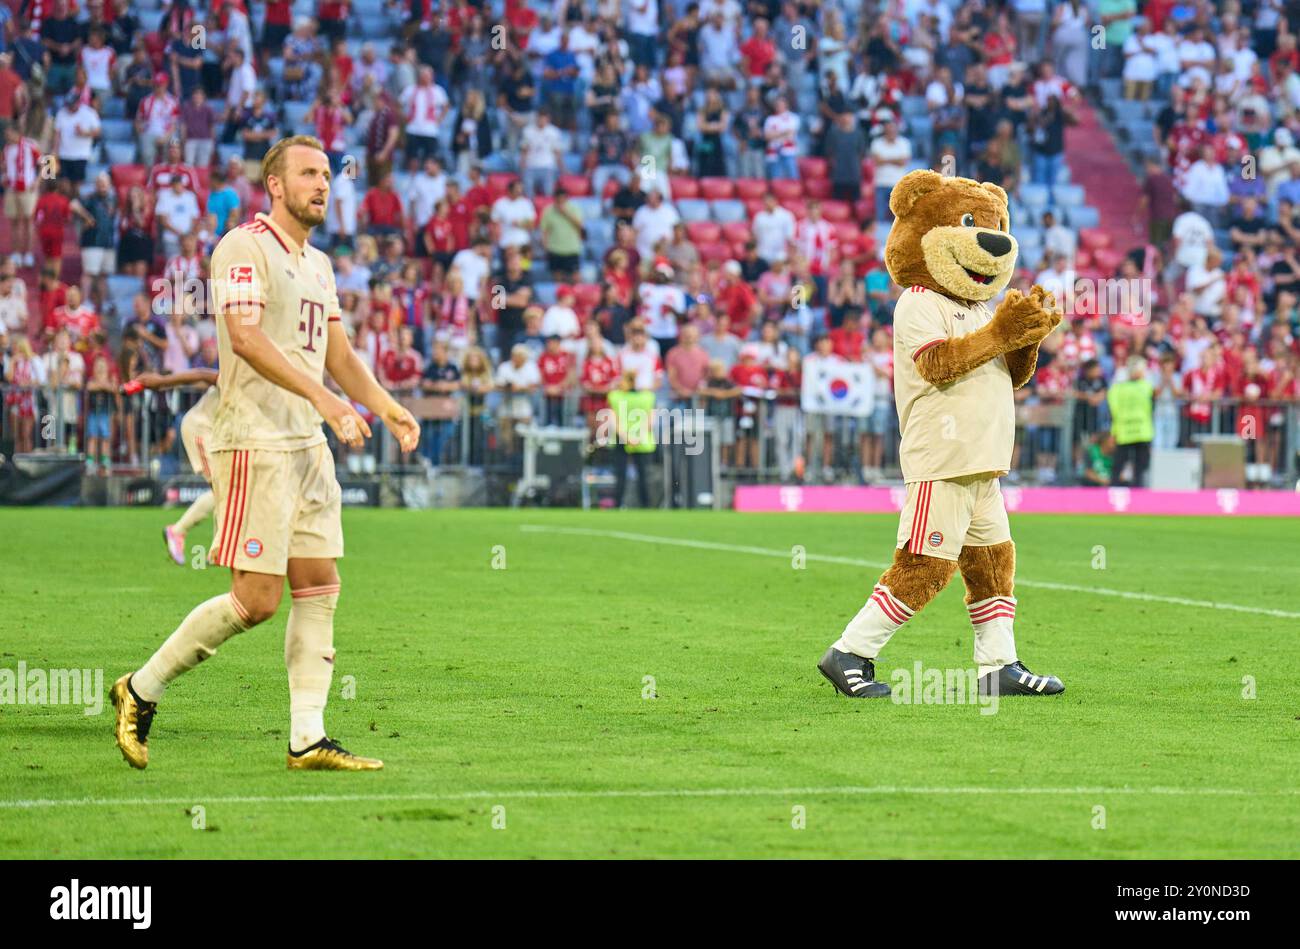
{"points": [[838, 388]]}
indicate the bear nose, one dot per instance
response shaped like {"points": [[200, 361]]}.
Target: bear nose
{"points": [[996, 244]]}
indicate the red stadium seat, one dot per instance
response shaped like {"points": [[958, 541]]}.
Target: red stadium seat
{"points": [[1107, 260], [577, 185], [837, 211], [819, 188], [498, 181], [868, 171], [787, 188], [737, 232], [1093, 237], [1082, 258], [541, 203], [586, 297], [124, 176], [739, 249], [714, 251], [796, 206], [717, 189], [753, 205], [864, 210], [847, 233], [813, 167], [683, 187], [747, 188], [703, 232]]}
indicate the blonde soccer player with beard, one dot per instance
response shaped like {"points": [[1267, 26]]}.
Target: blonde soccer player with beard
{"points": [[277, 498]]}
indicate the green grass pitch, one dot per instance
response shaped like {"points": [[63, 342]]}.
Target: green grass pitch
{"points": [[515, 718]]}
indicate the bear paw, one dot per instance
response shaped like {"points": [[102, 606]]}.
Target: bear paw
{"points": [[1025, 320]]}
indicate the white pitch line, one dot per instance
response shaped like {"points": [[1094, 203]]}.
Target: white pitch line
{"points": [[559, 794], [855, 562]]}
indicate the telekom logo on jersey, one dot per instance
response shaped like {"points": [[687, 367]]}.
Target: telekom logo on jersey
{"points": [[313, 322]]}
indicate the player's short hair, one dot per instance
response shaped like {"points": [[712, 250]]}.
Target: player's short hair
{"points": [[273, 161]]}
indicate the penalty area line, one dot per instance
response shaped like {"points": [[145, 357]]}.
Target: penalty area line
{"points": [[614, 793], [876, 565]]}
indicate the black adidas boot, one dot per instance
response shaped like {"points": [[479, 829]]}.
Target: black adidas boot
{"points": [[852, 675], [1015, 679]]}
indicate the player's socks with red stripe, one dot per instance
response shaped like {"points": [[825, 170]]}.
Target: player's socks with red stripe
{"points": [[868, 632], [995, 642], [309, 657], [209, 625]]}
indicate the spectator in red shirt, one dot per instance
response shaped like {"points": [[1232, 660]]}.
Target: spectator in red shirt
{"points": [[847, 339], [439, 235], [381, 210], [556, 368], [54, 294], [77, 317], [401, 366], [599, 373], [737, 299], [758, 51], [53, 211], [752, 378]]}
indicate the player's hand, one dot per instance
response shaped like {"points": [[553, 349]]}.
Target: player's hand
{"points": [[403, 425], [345, 421], [148, 380]]}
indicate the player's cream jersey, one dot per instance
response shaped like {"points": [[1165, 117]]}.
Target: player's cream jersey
{"points": [[203, 413], [291, 293], [966, 427]]}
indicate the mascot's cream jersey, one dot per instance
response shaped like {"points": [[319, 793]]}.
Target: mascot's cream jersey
{"points": [[966, 427]]}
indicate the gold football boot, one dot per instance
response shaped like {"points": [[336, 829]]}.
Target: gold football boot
{"points": [[327, 755], [134, 718]]}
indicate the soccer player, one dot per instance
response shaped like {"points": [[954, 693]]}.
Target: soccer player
{"points": [[196, 431], [277, 499]]}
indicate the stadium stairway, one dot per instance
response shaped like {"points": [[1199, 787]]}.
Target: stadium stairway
{"points": [[1098, 166]]}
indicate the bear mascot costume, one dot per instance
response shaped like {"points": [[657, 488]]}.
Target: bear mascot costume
{"points": [[956, 362]]}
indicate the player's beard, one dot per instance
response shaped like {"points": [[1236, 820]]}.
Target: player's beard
{"points": [[306, 213]]}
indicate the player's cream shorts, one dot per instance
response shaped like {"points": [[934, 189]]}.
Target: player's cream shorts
{"points": [[275, 505], [193, 434], [941, 517]]}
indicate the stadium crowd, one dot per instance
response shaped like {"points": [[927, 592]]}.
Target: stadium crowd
{"points": [[535, 205]]}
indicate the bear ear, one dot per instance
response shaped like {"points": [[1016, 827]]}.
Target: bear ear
{"points": [[997, 192], [911, 188]]}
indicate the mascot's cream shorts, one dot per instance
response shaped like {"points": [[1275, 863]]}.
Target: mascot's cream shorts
{"points": [[942, 517]]}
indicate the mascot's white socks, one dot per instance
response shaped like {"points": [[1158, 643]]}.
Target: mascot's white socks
{"points": [[879, 619], [995, 643]]}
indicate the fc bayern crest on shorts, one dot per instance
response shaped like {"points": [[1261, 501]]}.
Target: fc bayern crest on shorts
{"points": [[936, 539], [253, 547]]}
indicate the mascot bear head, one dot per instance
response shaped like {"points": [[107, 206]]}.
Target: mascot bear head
{"points": [[950, 235]]}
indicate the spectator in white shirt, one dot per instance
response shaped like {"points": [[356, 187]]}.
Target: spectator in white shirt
{"points": [[177, 210], [890, 154], [719, 54], [653, 222], [781, 132], [425, 105], [1205, 186], [516, 216], [773, 230], [75, 129], [428, 186], [541, 154]]}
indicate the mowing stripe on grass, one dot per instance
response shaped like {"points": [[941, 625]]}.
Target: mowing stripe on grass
{"points": [[562, 793], [856, 562]]}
